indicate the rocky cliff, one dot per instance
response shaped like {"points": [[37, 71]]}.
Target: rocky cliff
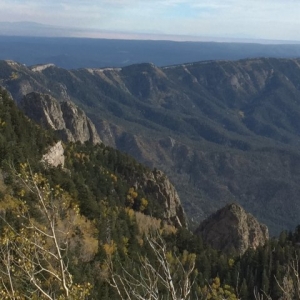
{"points": [[159, 184], [231, 229], [70, 122], [162, 191]]}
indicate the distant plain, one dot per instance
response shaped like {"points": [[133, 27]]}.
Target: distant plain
{"points": [[74, 53]]}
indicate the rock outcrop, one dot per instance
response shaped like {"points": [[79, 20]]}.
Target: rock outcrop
{"points": [[158, 184], [55, 155], [40, 68], [166, 193], [231, 229], [69, 121]]}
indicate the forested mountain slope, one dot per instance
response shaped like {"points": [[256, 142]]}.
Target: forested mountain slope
{"points": [[101, 200], [80, 231], [222, 131]]}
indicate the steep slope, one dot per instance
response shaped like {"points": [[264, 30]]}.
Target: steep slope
{"points": [[102, 204], [69, 121], [232, 230], [21, 140], [222, 131], [94, 172], [76, 216]]}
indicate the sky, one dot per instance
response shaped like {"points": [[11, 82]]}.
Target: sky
{"points": [[241, 19]]}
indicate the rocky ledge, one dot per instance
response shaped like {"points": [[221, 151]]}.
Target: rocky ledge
{"points": [[233, 230]]}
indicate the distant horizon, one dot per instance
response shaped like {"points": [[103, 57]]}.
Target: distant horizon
{"points": [[41, 30], [254, 20], [85, 52]]}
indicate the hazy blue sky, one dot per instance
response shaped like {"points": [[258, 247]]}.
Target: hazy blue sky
{"points": [[253, 19]]}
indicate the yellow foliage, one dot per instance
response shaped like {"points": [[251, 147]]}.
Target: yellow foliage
{"points": [[169, 229], [2, 123], [216, 283], [3, 186], [146, 223], [125, 241], [132, 193], [110, 248], [130, 190], [230, 262], [37, 243], [9, 203], [144, 204], [215, 291], [130, 212], [170, 258], [188, 258], [129, 200], [114, 177], [84, 234], [21, 193], [81, 156]]}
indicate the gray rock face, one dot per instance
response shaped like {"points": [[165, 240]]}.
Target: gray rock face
{"points": [[40, 68], [164, 191], [55, 156], [232, 229], [167, 193], [108, 132], [66, 118], [79, 124]]}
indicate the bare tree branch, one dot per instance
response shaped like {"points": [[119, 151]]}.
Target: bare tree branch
{"points": [[147, 282]]}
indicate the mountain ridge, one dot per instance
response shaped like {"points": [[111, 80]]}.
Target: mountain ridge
{"points": [[222, 131]]}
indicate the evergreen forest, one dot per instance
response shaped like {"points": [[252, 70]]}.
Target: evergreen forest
{"points": [[89, 230]]}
